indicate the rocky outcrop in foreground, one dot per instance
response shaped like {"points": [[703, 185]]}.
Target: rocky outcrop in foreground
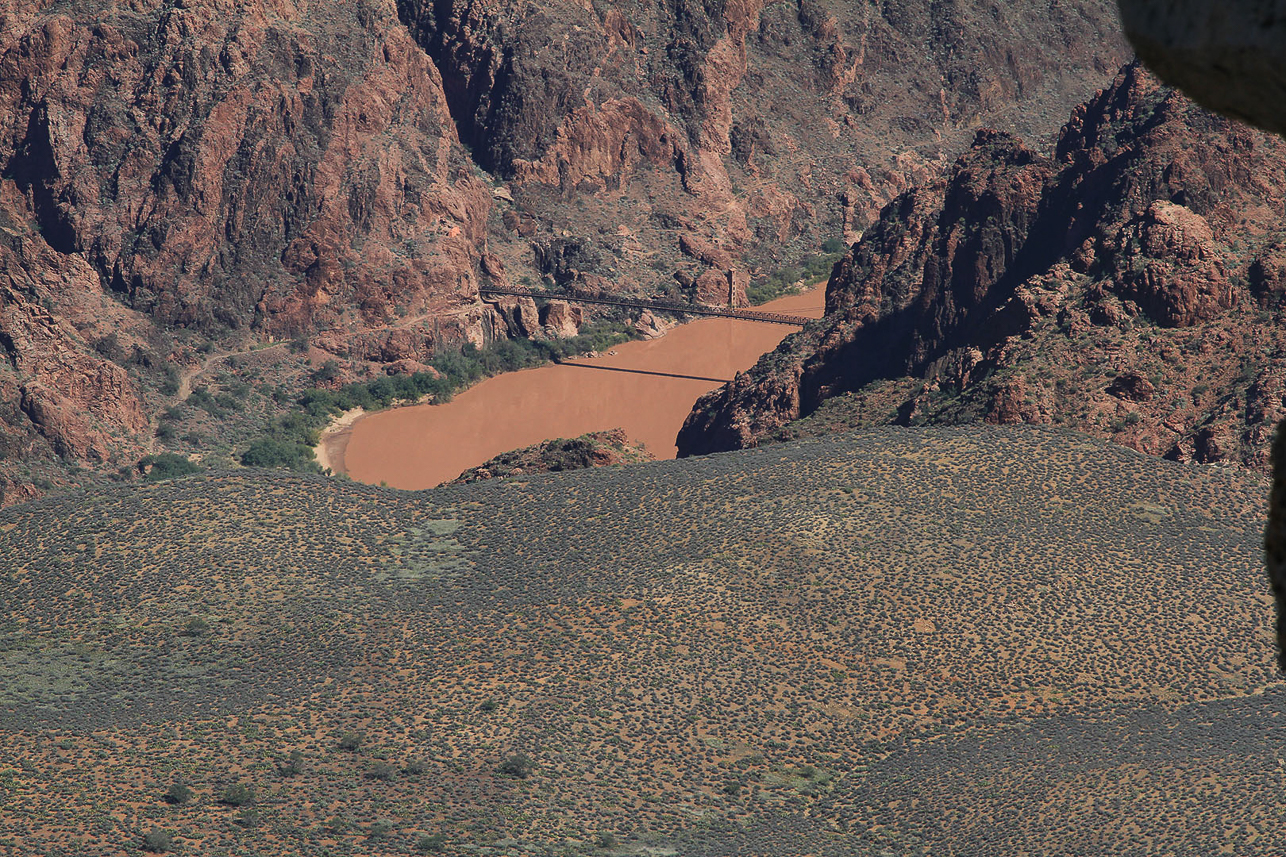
{"points": [[596, 449], [1129, 284]]}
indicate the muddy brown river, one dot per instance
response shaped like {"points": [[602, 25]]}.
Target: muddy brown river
{"points": [[645, 388]]}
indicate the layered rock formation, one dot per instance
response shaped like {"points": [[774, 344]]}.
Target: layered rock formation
{"points": [[596, 449], [1127, 285], [744, 130], [215, 166]]}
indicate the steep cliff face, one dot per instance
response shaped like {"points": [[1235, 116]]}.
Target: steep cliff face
{"points": [[1128, 285], [242, 162], [757, 129], [214, 166]]}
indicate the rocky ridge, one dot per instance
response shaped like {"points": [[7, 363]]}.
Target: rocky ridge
{"points": [[1128, 285], [595, 449]]}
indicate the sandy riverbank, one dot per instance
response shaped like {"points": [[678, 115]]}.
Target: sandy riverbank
{"points": [[333, 441]]}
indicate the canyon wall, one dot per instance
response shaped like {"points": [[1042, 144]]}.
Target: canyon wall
{"points": [[1128, 284], [174, 175]]}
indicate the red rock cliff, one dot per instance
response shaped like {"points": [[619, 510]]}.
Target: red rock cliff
{"points": [[1127, 285]]}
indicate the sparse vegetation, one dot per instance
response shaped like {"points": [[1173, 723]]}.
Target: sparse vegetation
{"points": [[927, 634]]}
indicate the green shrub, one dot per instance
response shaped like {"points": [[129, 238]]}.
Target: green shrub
{"points": [[167, 465], [350, 740], [292, 765], [238, 794], [380, 771], [272, 452], [178, 794], [430, 842], [158, 841], [519, 766], [247, 817]]}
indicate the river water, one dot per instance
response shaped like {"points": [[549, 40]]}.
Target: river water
{"points": [[646, 388]]}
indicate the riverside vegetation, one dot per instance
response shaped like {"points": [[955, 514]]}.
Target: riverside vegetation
{"points": [[949, 641], [288, 441]]}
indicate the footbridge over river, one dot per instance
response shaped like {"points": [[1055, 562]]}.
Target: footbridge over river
{"points": [[664, 306]]}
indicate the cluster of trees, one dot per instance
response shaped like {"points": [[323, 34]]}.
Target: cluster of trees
{"points": [[813, 267]]}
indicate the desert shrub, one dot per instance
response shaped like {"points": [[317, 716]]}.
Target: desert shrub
{"points": [[195, 627], [415, 768], [158, 841], [247, 817], [328, 371], [381, 828], [178, 794], [427, 843], [519, 766], [292, 765], [380, 771], [237, 794], [171, 381], [167, 465], [350, 740]]}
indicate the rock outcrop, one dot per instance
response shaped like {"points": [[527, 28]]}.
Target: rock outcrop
{"points": [[596, 449], [1125, 285]]}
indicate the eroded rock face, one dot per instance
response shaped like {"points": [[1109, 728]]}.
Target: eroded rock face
{"points": [[1231, 57], [1127, 285], [243, 163], [737, 132], [57, 393]]}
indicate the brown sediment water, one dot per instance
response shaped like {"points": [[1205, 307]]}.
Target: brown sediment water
{"points": [[645, 388]]}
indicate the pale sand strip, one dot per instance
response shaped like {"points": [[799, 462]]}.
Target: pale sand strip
{"points": [[334, 440]]}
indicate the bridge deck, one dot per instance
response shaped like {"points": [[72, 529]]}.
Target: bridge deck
{"points": [[666, 306]]}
